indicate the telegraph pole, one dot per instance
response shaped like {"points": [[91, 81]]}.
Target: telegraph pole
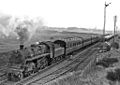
{"points": [[106, 5], [104, 22], [116, 29], [115, 20]]}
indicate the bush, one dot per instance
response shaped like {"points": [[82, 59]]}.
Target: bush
{"points": [[111, 76], [115, 45], [101, 63], [106, 62], [114, 76], [110, 60], [105, 47], [117, 71]]}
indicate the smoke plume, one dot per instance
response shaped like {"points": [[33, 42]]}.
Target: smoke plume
{"points": [[23, 34], [23, 28], [26, 28]]}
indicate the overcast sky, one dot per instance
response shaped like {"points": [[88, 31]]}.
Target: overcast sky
{"points": [[65, 13]]}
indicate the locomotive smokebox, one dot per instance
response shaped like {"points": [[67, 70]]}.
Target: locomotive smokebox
{"points": [[21, 47]]}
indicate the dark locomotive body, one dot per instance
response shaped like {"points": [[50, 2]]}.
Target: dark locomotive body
{"points": [[29, 60]]}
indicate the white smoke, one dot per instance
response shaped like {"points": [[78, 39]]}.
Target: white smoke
{"points": [[23, 27], [26, 28]]}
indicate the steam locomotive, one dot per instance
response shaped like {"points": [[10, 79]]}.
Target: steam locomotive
{"points": [[29, 60]]}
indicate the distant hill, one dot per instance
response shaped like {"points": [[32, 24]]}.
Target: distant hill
{"points": [[73, 29]]}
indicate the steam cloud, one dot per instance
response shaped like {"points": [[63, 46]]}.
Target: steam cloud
{"points": [[23, 34], [24, 28]]}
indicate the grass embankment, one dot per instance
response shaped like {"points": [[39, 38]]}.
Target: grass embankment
{"points": [[103, 70]]}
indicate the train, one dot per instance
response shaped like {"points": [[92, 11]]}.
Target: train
{"points": [[106, 46], [108, 37], [26, 61]]}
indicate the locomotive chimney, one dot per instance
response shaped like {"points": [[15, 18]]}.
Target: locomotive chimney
{"points": [[21, 47]]}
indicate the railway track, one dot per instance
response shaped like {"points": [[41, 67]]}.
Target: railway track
{"points": [[3, 76], [58, 73], [2, 79], [62, 71], [32, 77], [80, 66], [70, 64], [50, 77]]}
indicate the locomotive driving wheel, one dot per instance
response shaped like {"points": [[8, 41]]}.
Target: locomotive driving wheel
{"points": [[15, 76], [20, 76]]}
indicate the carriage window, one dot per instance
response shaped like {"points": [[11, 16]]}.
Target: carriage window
{"points": [[70, 45], [73, 44], [77, 43]]}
